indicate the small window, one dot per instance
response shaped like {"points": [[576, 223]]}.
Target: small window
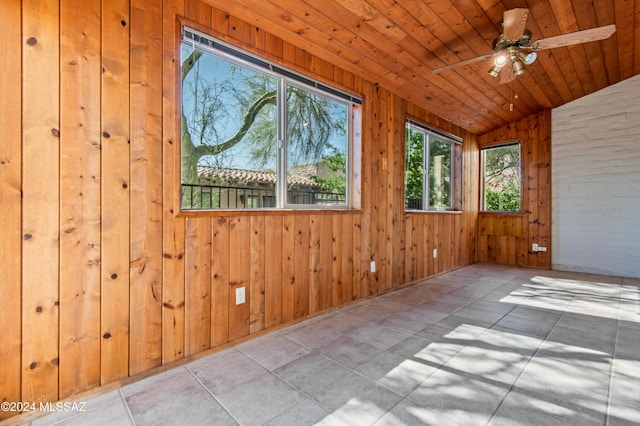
{"points": [[429, 169], [255, 135], [502, 178]]}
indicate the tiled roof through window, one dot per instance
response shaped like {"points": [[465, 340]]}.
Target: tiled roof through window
{"points": [[241, 175]]}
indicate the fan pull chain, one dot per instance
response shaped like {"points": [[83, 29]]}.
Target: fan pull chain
{"points": [[511, 104], [514, 95]]}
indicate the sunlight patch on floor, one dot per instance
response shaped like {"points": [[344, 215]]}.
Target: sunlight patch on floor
{"points": [[590, 298]]}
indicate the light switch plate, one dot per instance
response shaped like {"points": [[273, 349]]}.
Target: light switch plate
{"points": [[240, 296]]}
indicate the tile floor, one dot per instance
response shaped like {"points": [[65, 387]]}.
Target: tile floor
{"points": [[480, 345]]}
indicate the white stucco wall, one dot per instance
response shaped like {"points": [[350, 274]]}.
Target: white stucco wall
{"points": [[595, 148]]}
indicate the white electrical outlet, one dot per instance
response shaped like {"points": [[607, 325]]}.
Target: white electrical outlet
{"points": [[540, 248], [435, 253], [240, 296], [373, 266], [534, 247]]}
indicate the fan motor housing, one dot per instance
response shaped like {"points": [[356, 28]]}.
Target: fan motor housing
{"points": [[501, 43]]}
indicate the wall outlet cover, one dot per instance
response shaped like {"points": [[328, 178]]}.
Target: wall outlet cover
{"points": [[240, 296]]}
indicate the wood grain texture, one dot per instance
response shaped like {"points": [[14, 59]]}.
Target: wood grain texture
{"points": [[392, 213], [382, 213], [40, 200], [80, 196], [274, 282], [99, 113], [302, 265], [239, 276], [11, 202], [198, 250], [366, 238], [198, 11], [514, 21], [507, 238], [530, 182], [173, 229], [543, 165], [358, 274], [115, 201], [317, 282], [220, 285], [257, 274], [146, 187], [397, 44], [288, 302]]}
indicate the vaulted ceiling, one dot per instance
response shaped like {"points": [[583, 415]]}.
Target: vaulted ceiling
{"points": [[397, 43]]}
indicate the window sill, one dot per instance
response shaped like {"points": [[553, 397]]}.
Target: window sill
{"points": [[265, 212], [433, 211], [486, 213]]}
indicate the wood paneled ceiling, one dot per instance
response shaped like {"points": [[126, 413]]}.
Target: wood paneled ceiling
{"points": [[397, 43]]}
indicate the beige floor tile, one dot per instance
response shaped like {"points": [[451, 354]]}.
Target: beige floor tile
{"points": [[485, 344]]}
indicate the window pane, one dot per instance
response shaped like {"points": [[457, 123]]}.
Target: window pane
{"points": [[229, 130], [414, 170], [316, 149], [236, 110], [502, 181], [439, 174]]}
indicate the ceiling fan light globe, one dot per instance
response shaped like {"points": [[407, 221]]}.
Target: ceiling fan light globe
{"points": [[518, 68], [493, 72], [500, 61], [528, 58]]}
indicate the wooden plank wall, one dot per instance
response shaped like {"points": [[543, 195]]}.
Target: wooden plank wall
{"points": [[507, 238], [41, 267], [103, 277], [80, 196], [115, 180], [10, 204]]}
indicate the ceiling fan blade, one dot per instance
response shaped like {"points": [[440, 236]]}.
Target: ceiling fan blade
{"points": [[513, 22], [459, 64], [594, 34], [506, 75]]}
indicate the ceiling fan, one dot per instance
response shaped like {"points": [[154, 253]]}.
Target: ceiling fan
{"points": [[513, 49]]}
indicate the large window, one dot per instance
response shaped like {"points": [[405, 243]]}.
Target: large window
{"points": [[502, 177], [429, 169], [255, 135]]}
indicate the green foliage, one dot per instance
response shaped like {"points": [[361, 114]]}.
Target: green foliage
{"points": [[507, 199], [336, 182], [439, 174], [502, 178], [414, 168], [439, 168]]}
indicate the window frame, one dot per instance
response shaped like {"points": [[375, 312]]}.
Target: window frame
{"points": [[483, 182], [282, 152], [286, 78], [454, 143]]}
